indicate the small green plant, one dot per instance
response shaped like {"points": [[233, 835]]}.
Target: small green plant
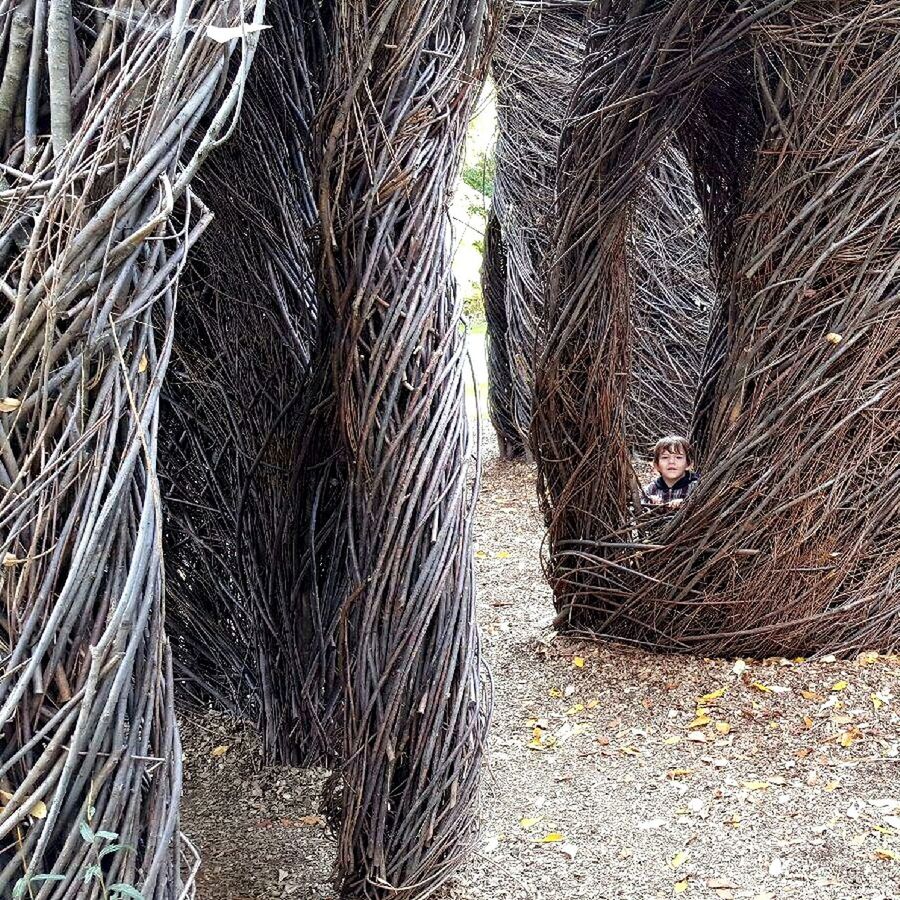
{"points": [[473, 302], [481, 173], [102, 844]]}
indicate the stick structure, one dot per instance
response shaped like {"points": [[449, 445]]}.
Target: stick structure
{"points": [[536, 66], [787, 115], [106, 114], [397, 105]]}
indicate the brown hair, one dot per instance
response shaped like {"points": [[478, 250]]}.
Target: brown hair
{"points": [[674, 443]]}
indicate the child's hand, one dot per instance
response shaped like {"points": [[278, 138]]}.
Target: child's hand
{"points": [[676, 502]]}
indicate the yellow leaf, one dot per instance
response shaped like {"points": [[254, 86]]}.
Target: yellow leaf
{"points": [[849, 736], [38, 810], [700, 721], [503, 554], [832, 786], [877, 702], [142, 365], [678, 859], [808, 722], [755, 785], [555, 692], [833, 338], [480, 554], [715, 695], [9, 404], [681, 886], [592, 704], [885, 854], [883, 829], [811, 695], [553, 838], [671, 741], [221, 750], [574, 710], [578, 662], [723, 727], [840, 685], [630, 751], [528, 823], [678, 773], [762, 688]]}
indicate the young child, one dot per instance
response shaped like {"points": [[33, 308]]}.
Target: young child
{"points": [[673, 460]]}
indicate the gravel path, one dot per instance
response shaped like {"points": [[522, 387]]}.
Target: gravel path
{"points": [[613, 773]]}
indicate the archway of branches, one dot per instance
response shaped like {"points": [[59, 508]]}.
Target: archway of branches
{"points": [[790, 544]]}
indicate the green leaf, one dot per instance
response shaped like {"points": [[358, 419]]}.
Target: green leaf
{"points": [[115, 848], [87, 832], [107, 835], [93, 871], [118, 891], [20, 887]]}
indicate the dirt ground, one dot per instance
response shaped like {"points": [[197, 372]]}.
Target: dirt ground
{"points": [[613, 774]]}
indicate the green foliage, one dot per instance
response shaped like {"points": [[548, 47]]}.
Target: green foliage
{"points": [[102, 843], [480, 174], [473, 303]]}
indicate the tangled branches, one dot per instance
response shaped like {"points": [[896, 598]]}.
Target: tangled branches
{"points": [[248, 466], [536, 66], [415, 720], [96, 107], [786, 113]]}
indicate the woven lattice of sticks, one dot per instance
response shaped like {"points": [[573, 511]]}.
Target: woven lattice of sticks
{"points": [[536, 66], [393, 122], [97, 107], [787, 114]]}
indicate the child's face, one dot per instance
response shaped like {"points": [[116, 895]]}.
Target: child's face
{"points": [[672, 465]]}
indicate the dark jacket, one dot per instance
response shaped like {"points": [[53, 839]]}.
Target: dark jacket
{"points": [[658, 492]]}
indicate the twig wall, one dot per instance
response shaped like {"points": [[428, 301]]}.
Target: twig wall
{"points": [[787, 114]]}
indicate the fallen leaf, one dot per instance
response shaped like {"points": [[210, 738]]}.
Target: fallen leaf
{"points": [[309, 821], [480, 554], [142, 365], [832, 786], [720, 884], [10, 560], [578, 662], [679, 773], [681, 886], [714, 695], [877, 702], [553, 838], [225, 35], [221, 750], [759, 686], [833, 338], [503, 554], [885, 854], [528, 823], [808, 722], [678, 859], [671, 741], [840, 685], [755, 785], [723, 727], [811, 695], [700, 721], [9, 404], [850, 736], [591, 704]]}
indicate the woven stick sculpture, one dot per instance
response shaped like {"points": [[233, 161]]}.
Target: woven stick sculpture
{"points": [[393, 124], [787, 113], [248, 468], [96, 108], [536, 66]]}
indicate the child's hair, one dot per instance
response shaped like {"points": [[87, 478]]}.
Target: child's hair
{"points": [[674, 443]]}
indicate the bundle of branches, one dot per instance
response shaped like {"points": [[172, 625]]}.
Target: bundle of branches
{"points": [[787, 113], [394, 119], [536, 67], [248, 465], [96, 106]]}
